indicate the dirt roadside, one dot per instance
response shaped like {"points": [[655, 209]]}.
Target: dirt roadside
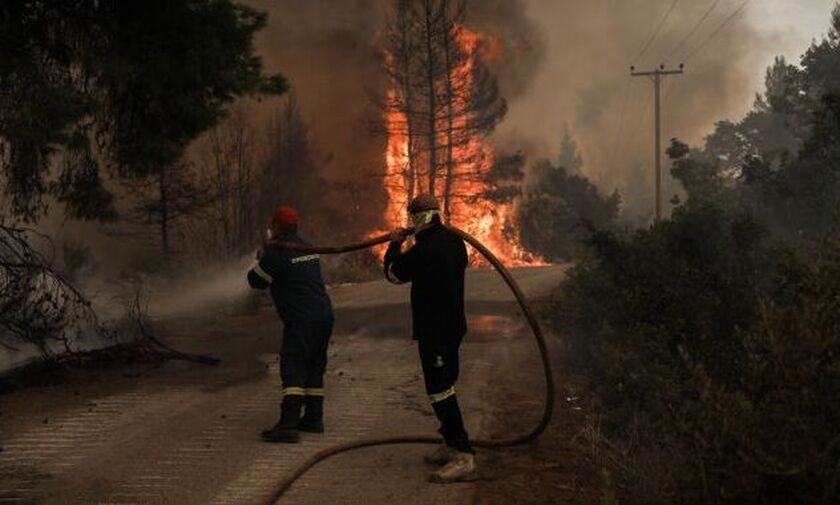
{"points": [[556, 468]]}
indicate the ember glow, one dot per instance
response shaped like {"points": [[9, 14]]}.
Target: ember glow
{"points": [[492, 223]]}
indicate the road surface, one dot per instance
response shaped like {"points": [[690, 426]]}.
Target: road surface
{"points": [[181, 433]]}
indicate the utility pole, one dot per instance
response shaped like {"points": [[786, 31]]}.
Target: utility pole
{"points": [[656, 76]]}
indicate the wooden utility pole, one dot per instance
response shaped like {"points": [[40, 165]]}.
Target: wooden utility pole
{"points": [[656, 76]]}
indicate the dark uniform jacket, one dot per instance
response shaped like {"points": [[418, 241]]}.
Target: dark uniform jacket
{"points": [[435, 267], [296, 283]]}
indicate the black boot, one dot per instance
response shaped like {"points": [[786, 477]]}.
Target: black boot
{"points": [[286, 430], [313, 419]]}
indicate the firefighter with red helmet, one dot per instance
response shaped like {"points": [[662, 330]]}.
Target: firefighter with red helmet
{"points": [[435, 267], [298, 291]]}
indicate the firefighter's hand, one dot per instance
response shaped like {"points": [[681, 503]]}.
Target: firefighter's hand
{"points": [[399, 235]]}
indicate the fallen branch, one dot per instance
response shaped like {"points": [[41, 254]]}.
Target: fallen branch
{"points": [[38, 306], [148, 338]]}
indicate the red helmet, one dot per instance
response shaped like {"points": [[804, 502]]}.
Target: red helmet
{"points": [[286, 217]]}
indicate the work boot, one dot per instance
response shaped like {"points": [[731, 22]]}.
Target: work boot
{"points": [[440, 456], [313, 418], [461, 468], [286, 430]]}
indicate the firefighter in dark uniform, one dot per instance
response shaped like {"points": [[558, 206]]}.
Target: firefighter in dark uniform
{"points": [[303, 304], [435, 267]]}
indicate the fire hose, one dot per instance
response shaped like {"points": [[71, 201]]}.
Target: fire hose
{"points": [[282, 486]]}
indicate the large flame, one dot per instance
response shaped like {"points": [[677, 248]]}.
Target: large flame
{"points": [[492, 223]]}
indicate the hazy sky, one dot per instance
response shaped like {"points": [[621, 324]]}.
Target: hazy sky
{"points": [[781, 27], [584, 79], [797, 21], [566, 63]]}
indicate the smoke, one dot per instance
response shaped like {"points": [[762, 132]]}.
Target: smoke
{"points": [[209, 289], [523, 42], [332, 52], [584, 82], [565, 62]]}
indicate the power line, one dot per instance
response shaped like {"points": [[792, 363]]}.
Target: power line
{"points": [[717, 31], [658, 29], [693, 30]]}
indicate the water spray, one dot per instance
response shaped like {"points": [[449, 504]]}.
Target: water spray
{"points": [[283, 485]]}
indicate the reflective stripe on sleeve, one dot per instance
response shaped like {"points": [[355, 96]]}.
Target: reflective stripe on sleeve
{"points": [[309, 257], [443, 395], [263, 274], [314, 391], [293, 390]]}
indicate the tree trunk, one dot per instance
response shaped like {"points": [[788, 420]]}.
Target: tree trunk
{"points": [[446, 34], [222, 181], [240, 183], [431, 134], [408, 100], [164, 213]]}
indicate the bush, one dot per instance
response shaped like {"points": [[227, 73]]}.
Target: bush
{"points": [[682, 284], [782, 422], [560, 212], [715, 359]]}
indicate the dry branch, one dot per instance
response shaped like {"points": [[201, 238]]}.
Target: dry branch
{"points": [[37, 304]]}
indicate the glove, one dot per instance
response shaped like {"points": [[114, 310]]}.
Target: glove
{"points": [[400, 234]]}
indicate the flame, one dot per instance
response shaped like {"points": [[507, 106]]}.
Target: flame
{"points": [[492, 223]]}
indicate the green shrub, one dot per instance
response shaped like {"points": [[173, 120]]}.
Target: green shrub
{"points": [[683, 284], [715, 359], [783, 419], [560, 212]]}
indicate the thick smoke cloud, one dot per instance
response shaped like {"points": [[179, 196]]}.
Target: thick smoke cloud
{"points": [[333, 54], [566, 63], [584, 82]]}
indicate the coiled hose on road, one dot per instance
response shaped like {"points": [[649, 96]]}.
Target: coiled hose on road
{"points": [[548, 409]]}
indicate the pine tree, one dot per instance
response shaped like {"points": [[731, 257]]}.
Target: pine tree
{"points": [[135, 82], [570, 157], [443, 92]]}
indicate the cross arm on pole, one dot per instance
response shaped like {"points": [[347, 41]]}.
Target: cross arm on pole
{"points": [[658, 71]]}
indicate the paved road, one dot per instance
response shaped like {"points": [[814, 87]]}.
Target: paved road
{"points": [[178, 433]]}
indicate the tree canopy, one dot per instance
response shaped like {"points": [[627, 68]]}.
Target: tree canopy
{"points": [[122, 85], [780, 162], [562, 207], [711, 336]]}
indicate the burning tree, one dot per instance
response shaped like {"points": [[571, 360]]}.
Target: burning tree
{"points": [[441, 103]]}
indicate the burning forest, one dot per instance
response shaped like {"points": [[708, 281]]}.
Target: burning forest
{"points": [[240, 237], [442, 103]]}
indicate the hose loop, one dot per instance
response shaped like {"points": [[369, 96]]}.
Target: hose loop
{"points": [[548, 408]]}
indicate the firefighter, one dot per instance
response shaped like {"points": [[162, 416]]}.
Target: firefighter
{"points": [[435, 267], [303, 305]]}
